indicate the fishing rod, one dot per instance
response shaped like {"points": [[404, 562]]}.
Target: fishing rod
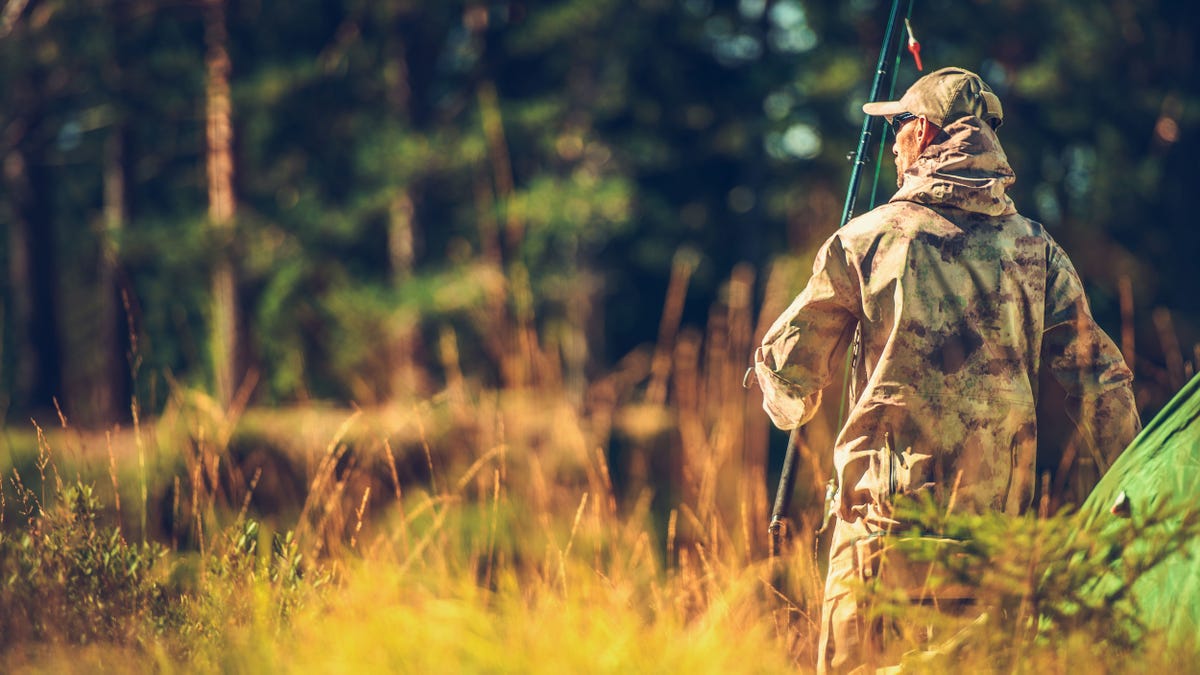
{"points": [[884, 76]]}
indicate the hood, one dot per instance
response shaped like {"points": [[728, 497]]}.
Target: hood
{"points": [[968, 171]]}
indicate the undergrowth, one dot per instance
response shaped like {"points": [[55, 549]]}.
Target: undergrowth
{"points": [[1045, 593], [496, 568]]}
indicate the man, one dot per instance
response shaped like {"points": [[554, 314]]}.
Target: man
{"points": [[959, 300]]}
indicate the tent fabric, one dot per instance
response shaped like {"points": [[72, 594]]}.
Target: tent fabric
{"points": [[1161, 465]]}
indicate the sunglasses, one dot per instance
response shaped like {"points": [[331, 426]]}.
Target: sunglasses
{"points": [[899, 119]]}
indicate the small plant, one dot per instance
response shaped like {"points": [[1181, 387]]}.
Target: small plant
{"points": [[67, 577], [281, 568], [1039, 588]]}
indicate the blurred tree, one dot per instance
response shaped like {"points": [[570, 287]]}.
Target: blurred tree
{"points": [[31, 368], [61, 127], [222, 204], [501, 186]]}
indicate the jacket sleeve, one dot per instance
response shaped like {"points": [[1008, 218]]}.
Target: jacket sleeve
{"points": [[1084, 359], [795, 361]]}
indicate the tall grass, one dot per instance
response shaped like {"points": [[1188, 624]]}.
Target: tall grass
{"points": [[518, 560], [523, 529]]}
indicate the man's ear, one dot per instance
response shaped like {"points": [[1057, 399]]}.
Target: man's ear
{"points": [[926, 132]]}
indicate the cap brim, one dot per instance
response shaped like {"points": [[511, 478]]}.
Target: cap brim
{"points": [[883, 108]]}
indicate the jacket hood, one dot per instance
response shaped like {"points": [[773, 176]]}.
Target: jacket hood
{"points": [[968, 171]]}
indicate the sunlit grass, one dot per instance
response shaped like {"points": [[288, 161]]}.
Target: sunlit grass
{"points": [[517, 556], [618, 528], [508, 549]]}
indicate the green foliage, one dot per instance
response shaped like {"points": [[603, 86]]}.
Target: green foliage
{"points": [[581, 142], [69, 577], [256, 571], [1036, 584], [562, 213]]}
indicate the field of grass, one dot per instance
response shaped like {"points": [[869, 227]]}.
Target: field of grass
{"points": [[618, 527], [402, 538], [405, 545]]}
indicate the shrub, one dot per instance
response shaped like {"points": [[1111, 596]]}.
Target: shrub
{"points": [[67, 577], [1043, 590]]}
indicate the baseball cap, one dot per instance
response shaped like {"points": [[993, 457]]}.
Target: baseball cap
{"points": [[944, 95]]}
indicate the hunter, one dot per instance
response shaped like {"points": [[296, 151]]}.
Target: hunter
{"points": [[959, 301]]}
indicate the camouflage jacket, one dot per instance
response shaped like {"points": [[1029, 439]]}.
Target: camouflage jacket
{"points": [[960, 301]]}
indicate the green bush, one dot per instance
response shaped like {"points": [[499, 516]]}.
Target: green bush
{"points": [[67, 577], [1041, 588]]}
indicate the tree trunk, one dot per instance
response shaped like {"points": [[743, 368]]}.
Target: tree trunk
{"points": [[110, 390], [222, 206], [32, 275], [407, 378], [20, 368]]}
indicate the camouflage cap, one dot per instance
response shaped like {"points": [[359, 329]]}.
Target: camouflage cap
{"points": [[942, 96]]}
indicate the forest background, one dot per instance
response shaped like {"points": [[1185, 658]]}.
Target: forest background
{"points": [[320, 193]]}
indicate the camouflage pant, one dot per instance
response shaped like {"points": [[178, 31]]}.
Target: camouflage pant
{"points": [[852, 639]]}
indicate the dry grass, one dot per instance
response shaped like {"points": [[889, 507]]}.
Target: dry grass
{"points": [[536, 528]]}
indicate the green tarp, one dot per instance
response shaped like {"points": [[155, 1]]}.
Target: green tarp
{"points": [[1162, 465]]}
